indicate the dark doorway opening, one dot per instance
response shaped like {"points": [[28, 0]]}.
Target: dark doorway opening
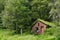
{"points": [[36, 28]]}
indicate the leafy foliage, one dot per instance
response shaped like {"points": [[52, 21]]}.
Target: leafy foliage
{"points": [[55, 11], [19, 14]]}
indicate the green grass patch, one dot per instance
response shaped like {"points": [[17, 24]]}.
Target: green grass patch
{"points": [[9, 35]]}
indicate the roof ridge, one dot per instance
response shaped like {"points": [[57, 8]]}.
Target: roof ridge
{"points": [[45, 22]]}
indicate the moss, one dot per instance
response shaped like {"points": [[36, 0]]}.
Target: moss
{"points": [[45, 22]]}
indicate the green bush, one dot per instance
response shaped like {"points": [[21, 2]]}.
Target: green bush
{"points": [[57, 33], [49, 31]]}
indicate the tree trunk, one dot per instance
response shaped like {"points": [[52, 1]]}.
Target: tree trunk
{"points": [[21, 31]]}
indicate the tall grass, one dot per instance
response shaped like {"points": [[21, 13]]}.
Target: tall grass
{"points": [[8, 35]]}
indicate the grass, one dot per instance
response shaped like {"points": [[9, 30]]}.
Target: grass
{"points": [[8, 35]]}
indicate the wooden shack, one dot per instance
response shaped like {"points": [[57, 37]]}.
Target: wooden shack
{"points": [[39, 26]]}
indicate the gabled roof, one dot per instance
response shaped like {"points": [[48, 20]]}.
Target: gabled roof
{"points": [[45, 22]]}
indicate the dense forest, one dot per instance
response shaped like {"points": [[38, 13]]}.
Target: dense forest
{"points": [[19, 15]]}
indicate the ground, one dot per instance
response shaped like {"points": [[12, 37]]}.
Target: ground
{"points": [[8, 35]]}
